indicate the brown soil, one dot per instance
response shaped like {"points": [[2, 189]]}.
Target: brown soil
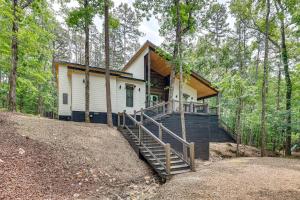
{"points": [[237, 178], [49, 159]]}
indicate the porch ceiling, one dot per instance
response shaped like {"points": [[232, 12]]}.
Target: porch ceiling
{"points": [[163, 67]]}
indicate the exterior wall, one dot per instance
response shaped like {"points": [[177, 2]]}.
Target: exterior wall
{"points": [[137, 67], [97, 92], [64, 86], [187, 90], [139, 95]]}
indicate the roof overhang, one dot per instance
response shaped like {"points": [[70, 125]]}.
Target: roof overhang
{"points": [[163, 67], [97, 70]]}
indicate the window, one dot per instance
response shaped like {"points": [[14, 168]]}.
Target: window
{"points": [[65, 98], [129, 96]]}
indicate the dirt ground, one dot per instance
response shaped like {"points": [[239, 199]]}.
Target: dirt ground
{"points": [[237, 178], [50, 159]]}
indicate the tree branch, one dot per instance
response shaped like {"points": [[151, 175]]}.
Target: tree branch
{"points": [[26, 4]]}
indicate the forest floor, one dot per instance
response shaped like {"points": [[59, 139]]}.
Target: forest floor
{"points": [[49, 159]]}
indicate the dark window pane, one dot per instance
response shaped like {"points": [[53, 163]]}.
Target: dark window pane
{"points": [[129, 96], [65, 98]]}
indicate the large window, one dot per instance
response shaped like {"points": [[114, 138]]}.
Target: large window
{"points": [[129, 96]]}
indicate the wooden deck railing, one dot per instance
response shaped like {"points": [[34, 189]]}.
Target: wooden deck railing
{"points": [[142, 131]]}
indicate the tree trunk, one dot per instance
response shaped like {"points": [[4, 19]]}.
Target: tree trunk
{"points": [[173, 66], [14, 60], [265, 85], [178, 58], [107, 72], [257, 58], [284, 56], [87, 67], [238, 125]]}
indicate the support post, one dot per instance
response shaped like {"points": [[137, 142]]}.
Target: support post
{"points": [[219, 105], [173, 105], [192, 156], [168, 158], [164, 108], [124, 118], [149, 78], [140, 134], [160, 131], [119, 120], [134, 114], [142, 117]]}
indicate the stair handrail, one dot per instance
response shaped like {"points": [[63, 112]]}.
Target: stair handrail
{"points": [[167, 130], [166, 146], [187, 144]]}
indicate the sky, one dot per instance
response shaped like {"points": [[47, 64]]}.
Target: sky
{"points": [[150, 28]]}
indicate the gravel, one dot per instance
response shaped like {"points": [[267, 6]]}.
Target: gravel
{"points": [[237, 178]]}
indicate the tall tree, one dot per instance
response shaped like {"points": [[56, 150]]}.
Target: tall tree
{"points": [[82, 18], [107, 71], [128, 31], [285, 60], [17, 7], [265, 82]]}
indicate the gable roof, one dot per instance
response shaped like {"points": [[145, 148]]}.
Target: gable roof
{"points": [[203, 86]]}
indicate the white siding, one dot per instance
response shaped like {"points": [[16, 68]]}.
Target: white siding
{"points": [[139, 95], [137, 67], [64, 86], [78, 94], [187, 90], [98, 93]]}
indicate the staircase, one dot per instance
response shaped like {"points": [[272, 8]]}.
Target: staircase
{"points": [[150, 145]]}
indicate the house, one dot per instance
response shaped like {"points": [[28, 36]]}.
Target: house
{"points": [[141, 108], [130, 90]]}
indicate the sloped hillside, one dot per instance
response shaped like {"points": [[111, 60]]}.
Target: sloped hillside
{"points": [[50, 159]]}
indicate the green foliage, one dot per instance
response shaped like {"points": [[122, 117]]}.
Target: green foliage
{"points": [[34, 82]]}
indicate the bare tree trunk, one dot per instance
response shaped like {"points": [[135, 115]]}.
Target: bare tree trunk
{"points": [[87, 67], [173, 66], [179, 59], [284, 56], [257, 58], [238, 125], [265, 85], [107, 72], [14, 61]]}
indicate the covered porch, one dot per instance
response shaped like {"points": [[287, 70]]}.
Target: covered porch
{"points": [[195, 90]]}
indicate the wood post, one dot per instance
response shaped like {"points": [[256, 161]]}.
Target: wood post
{"points": [[142, 117], [168, 158], [160, 131], [173, 105], [192, 156], [134, 115], [140, 134], [119, 122], [124, 118], [219, 105]]}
